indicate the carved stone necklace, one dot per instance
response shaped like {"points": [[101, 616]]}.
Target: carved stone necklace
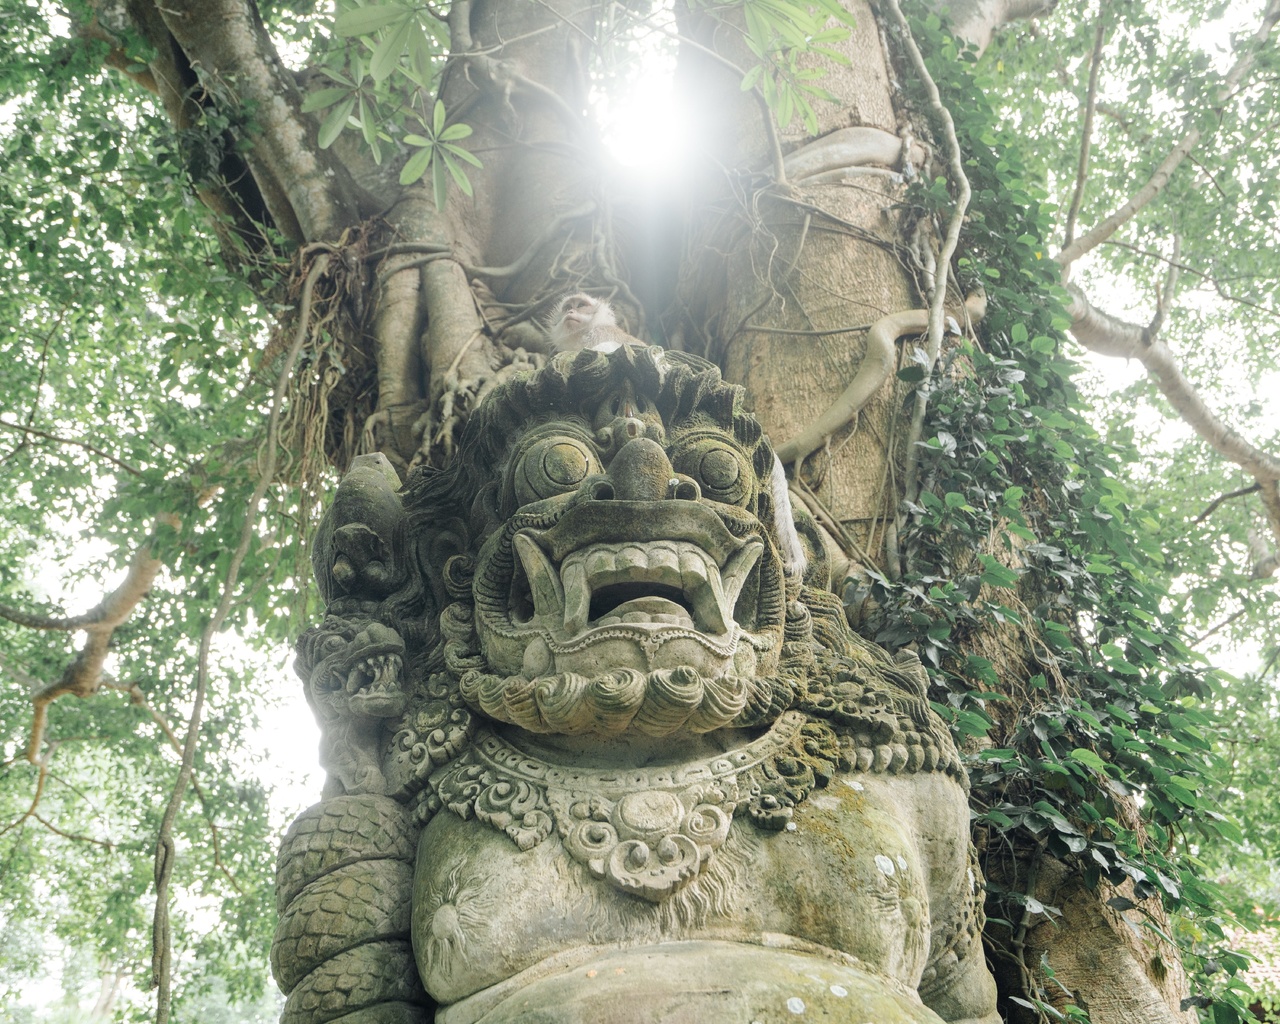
{"points": [[646, 831]]}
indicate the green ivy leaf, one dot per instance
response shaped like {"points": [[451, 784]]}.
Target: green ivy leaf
{"points": [[1088, 757]]}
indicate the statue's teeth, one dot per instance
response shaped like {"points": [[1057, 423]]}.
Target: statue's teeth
{"points": [[544, 581], [710, 594], [737, 569], [664, 556], [697, 573], [599, 560], [577, 597], [631, 556]]}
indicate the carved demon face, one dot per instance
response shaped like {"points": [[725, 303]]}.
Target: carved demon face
{"points": [[630, 581]]}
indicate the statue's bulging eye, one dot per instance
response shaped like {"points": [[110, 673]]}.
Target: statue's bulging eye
{"points": [[565, 463], [722, 471], [554, 465], [719, 470]]}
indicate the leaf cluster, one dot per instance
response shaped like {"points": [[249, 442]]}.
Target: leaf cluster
{"points": [[132, 395], [1035, 590]]}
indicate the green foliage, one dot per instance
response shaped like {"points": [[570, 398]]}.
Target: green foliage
{"points": [[1161, 68], [385, 76], [1115, 704], [785, 38], [130, 395], [139, 358]]}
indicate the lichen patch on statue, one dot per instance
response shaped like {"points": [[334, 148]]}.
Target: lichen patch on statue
{"points": [[582, 666]]}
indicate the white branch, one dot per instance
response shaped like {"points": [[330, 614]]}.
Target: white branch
{"points": [[1164, 171], [302, 184], [976, 21], [1099, 332]]}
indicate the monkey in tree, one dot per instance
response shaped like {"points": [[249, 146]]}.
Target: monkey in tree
{"points": [[581, 321]]}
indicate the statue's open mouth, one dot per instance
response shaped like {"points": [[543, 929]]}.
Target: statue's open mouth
{"points": [[637, 585], [655, 584], [367, 669]]}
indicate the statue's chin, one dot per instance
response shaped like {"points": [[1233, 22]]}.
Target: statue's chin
{"points": [[642, 646], [620, 701]]}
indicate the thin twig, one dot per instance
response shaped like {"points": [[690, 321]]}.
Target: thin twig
{"points": [[517, 266], [762, 329], [1213, 505], [1219, 627], [1218, 286], [1164, 170], [106, 844], [33, 432], [161, 958], [1086, 128], [42, 775], [35, 401], [1164, 302]]}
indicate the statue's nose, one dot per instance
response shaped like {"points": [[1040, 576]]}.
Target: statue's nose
{"points": [[641, 472]]}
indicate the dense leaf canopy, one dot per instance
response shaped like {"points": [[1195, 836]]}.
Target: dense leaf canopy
{"points": [[141, 334]]}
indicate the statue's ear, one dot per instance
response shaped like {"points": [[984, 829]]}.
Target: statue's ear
{"points": [[486, 512], [322, 558], [435, 547], [359, 532]]}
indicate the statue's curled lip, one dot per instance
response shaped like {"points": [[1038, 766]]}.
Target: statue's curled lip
{"points": [[653, 566]]}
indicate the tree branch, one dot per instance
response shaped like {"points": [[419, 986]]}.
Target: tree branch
{"points": [[976, 21], [1216, 283], [1267, 561], [1165, 302], [308, 192], [1086, 128], [117, 56], [1212, 507], [30, 431], [1107, 335], [1164, 171], [161, 950], [84, 675]]}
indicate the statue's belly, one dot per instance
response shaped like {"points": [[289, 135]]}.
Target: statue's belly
{"points": [[846, 881], [693, 983]]}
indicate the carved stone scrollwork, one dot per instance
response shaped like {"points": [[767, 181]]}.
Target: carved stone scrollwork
{"points": [[647, 833]]}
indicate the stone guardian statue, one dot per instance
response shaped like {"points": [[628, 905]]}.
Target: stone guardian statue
{"points": [[595, 757]]}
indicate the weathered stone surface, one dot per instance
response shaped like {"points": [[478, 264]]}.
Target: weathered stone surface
{"points": [[357, 979], [697, 983], [338, 832], [349, 906], [388, 1013], [650, 773]]}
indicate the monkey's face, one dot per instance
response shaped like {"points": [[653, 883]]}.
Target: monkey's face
{"points": [[579, 311]]}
